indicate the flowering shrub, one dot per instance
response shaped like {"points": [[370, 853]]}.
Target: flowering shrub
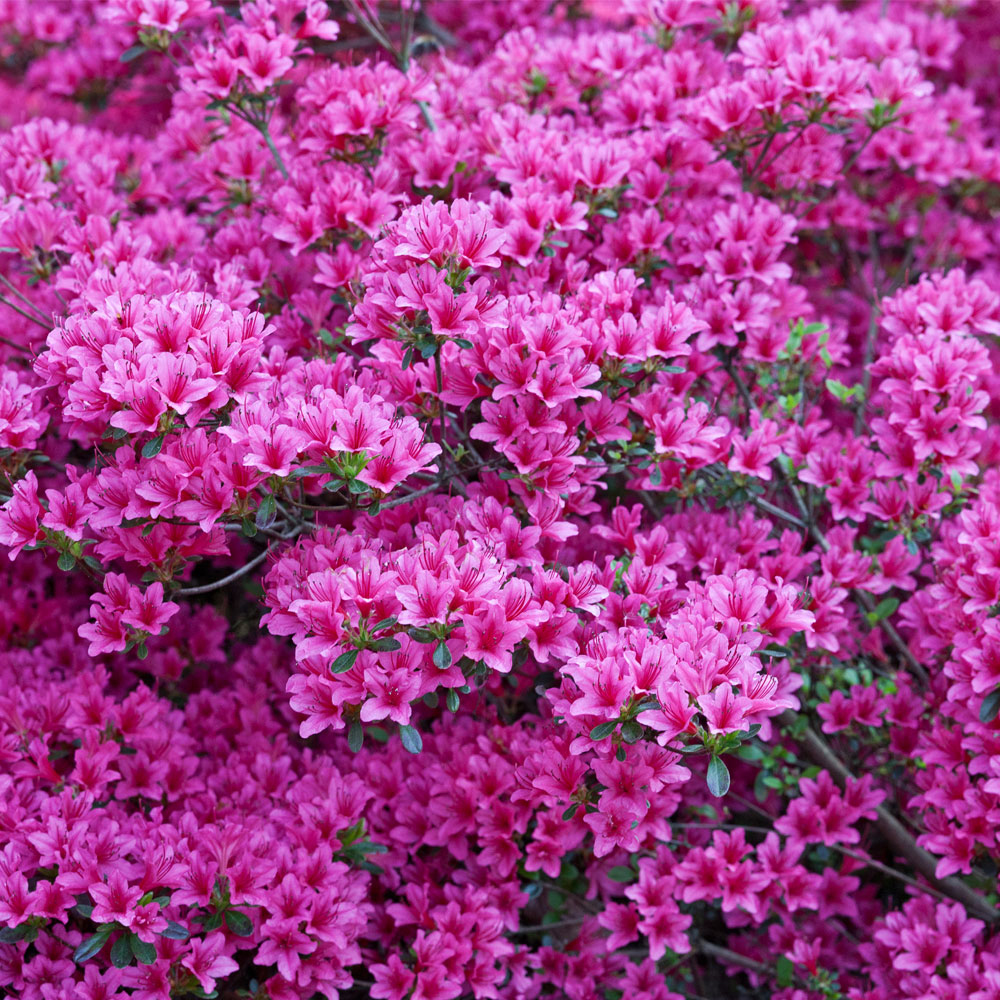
{"points": [[502, 499]]}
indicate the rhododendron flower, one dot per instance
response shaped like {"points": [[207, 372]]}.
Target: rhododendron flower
{"points": [[115, 900], [499, 498], [207, 961]]}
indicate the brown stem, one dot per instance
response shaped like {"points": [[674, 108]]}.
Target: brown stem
{"points": [[730, 957], [861, 596], [5, 301], [895, 833], [24, 298]]}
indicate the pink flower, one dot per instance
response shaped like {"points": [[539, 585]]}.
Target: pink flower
{"points": [[147, 610], [393, 980], [391, 692], [285, 947], [21, 516], [207, 960], [490, 637], [115, 901]]}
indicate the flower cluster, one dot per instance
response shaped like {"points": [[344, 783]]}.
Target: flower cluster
{"points": [[499, 500]]}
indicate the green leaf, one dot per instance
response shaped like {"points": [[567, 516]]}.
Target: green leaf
{"points": [[175, 932], [604, 730], [841, 391], [411, 739], [308, 470], [121, 952], [344, 662], [428, 351], [266, 512], [571, 811], [750, 752], [239, 923], [384, 623], [621, 873], [785, 971], [421, 635], [355, 737], [367, 847], [407, 358], [132, 53], [92, 945], [8, 935], [357, 487], [990, 706], [462, 342], [451, 700], [66, 561], [631, 731], [145, 953], [718, 777], [152, 447], [386, 645], [885, 608], [760, 789], [442, 656]]}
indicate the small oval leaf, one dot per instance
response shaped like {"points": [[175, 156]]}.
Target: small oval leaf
{"points": [[145, 953], [621, 873], [990, 706], [121, 952], [344, 662], [239, 923], [411, 739], [718, 777]]}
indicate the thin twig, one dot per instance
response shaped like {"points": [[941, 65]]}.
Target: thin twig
{"points": [[45, 326], [15, 346], [241, 572], [265, 132], [24, 298], [861, 596], [555, 925], [865, 859], [730, 957], [895, 833], [226, 580]]}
